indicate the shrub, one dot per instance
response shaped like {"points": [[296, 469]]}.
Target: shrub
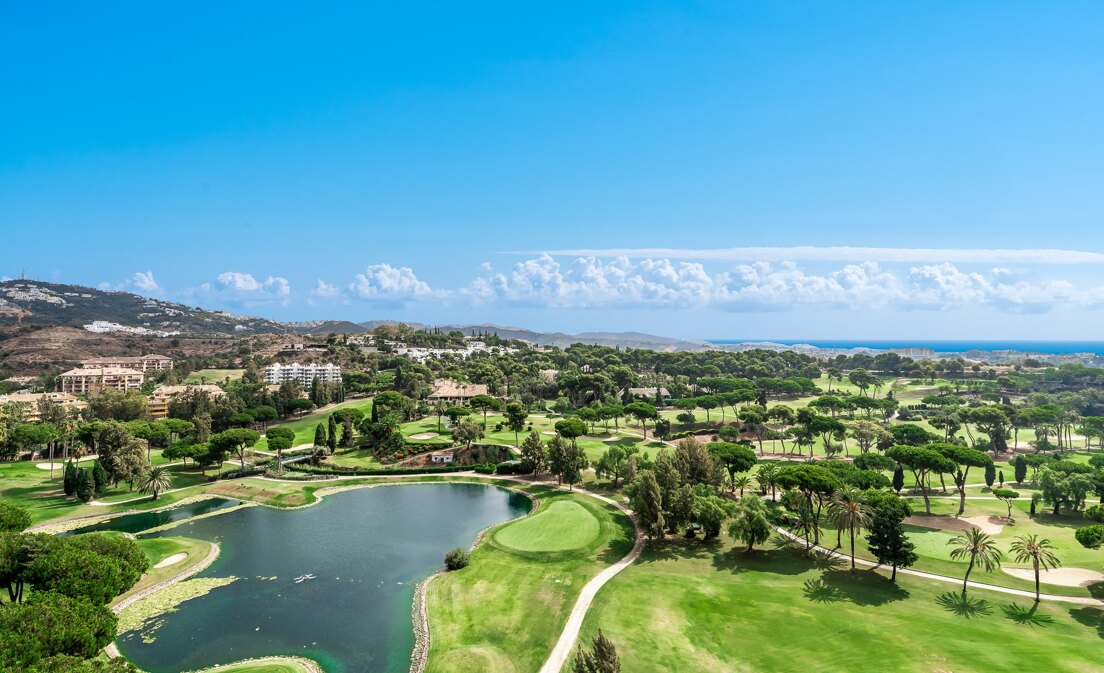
{"points": [[457, 559], [488, 468]]}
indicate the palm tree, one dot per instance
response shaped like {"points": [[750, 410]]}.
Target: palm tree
{"points": [[741, 483], [981, 549], [848, 511], [767, 477], [155, 481], [439, 408], [1039, 552]]}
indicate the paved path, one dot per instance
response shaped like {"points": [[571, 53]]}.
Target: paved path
{"points": [[564, 646], [1079, 600]]}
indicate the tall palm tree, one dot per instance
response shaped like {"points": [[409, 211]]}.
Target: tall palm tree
{"points": [[767, 477], [848, 510], [741, 482], [1039, 552], [157, 480], [439, 408], [981, 549]]}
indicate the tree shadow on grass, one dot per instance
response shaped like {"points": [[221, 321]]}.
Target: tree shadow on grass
{"points": [[819, 591], [1092, 617], [864, 587], [674, 548], [963, 605], [776, 561], [1096, 590], [1028, 616], [827, 562]]}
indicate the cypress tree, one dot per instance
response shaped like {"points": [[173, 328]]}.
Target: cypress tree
{"points": [[990, 474], [347, 435], [1020, 466], [86, 489], [331, 439], [1000, 477], [320, 435], [648, 505], [69, 478], [898, 479], [99, 477]]}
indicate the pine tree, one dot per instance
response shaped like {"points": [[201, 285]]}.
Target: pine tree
{"points": [[69, 478], [898, 479], [602, 657], [99, 477], [887, 540], [648, 504], [532, 453], [86, 489], [320, 435], [331, 434]]}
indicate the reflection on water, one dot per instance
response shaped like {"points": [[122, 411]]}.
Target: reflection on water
{"points": [[134, 523], [365, 550]]}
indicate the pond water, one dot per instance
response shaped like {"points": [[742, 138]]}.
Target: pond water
{"points": [[133, 523], [367, 549]]}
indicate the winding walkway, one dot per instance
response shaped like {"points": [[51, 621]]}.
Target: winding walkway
{"points": [[1078, 600]]}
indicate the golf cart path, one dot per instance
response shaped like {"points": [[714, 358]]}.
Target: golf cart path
{"points": [[1079, 600]]}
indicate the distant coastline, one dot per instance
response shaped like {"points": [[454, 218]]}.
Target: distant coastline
{"points": [[945, 346]]}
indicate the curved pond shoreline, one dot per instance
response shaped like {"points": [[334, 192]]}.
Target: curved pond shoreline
{"points": [[419, 614]]}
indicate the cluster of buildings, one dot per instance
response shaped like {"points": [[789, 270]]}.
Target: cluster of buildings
{"points": [[304, 374], [470, 348], [158, 402], [29, 402], [453, 392], [105, 327], [111, 373]]}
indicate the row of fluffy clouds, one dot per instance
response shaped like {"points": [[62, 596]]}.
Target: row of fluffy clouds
{"points": [[593, 283]]}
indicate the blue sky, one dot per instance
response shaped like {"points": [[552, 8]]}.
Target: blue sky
{"points": [[728, 170]]}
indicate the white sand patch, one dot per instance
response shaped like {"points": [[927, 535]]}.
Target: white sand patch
{"points": [[424, 435], [172, 560], [549, 432], [986, 524], [58, 466], [1065, 577]]}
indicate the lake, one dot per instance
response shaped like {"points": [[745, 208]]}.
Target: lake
{"points": [[367, 548]]}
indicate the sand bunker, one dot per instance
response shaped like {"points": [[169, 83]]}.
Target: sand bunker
{"points": [[987, 524], [1065, 577], [172, 560], [548, 432], [424, 435], [58, 466]]}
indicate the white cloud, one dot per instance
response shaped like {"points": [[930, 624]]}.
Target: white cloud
{"points": [[324, 289], [386, 283], [144, 281], [245, 283], [846, 254], [591, 282]]}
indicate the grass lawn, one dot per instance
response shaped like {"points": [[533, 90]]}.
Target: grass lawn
{"points": [[562, 525], [304, 427], [702, 607], [159, 549], [505, 610], [213, 376]]}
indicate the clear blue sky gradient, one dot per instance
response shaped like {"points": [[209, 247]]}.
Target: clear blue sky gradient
{"points": [[311, 142]]}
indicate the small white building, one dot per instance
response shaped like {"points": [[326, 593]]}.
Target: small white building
{"points": [[441, 457]]}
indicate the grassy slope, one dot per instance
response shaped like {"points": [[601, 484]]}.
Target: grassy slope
{"points": [[505, 611], [213, 376], [304, 427], [702, 608]]}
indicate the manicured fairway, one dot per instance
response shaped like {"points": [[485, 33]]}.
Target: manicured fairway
{"points": [[214, 376], [710, 608], [563, 525], [503, 613], [304, 427]]}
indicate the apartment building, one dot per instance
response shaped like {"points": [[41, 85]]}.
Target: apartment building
{"points": [[143, 363], [158, 402], [305, 374], [89, 380], [28, 403]]}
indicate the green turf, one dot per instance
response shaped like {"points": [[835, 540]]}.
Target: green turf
{"points": [[213, 376], [304, 427], [563, 525], [708, 607], [504, 611]]}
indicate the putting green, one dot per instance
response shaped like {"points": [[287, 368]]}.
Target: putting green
{"points": [[562, 525]]}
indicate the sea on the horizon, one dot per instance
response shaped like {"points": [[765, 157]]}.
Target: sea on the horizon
{"points": [[950, 346]]}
